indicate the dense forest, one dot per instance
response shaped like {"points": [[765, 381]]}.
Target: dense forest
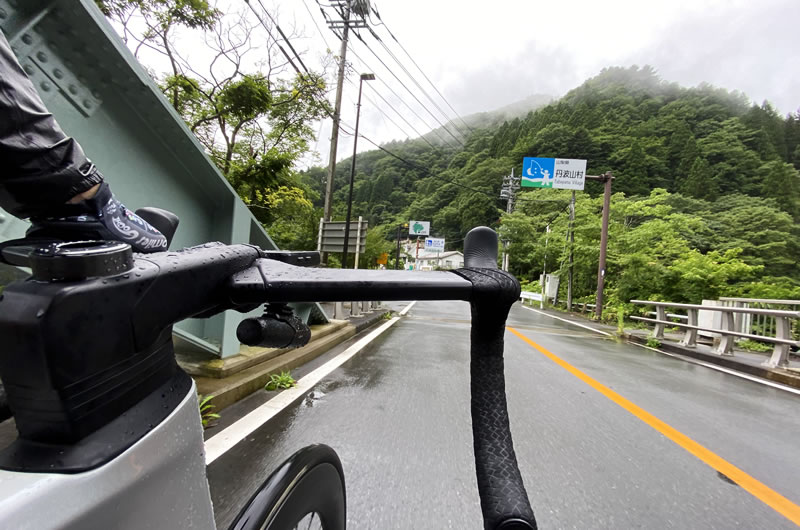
{"points": [[706, 193]]}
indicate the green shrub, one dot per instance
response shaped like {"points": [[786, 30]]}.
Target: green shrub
{"points": [[753, 345], [653, 342]]}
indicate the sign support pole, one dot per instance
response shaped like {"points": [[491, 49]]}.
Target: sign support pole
{"points": [[571, 245], [358, 240], [397, 255], [544, 267]]}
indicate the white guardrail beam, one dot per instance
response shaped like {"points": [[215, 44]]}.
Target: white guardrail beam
{"points": [[783, 329]]}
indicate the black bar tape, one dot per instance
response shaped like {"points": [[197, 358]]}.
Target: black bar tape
{"points": [[504, 501]]}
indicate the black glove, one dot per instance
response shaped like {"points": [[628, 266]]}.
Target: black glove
{"points": [[101, 217]]}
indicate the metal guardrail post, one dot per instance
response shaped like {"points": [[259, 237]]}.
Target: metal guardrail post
{"points": [[658, 330], [690, 336], [738, 317], [780, 354], [338, 310], [354, 309], [726, 341]]}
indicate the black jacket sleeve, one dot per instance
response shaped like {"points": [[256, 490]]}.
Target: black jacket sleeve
{"points": [[41, 168]]}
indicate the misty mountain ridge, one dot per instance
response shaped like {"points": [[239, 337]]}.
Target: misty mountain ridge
{"points": [[702, 142], [490, 118]]}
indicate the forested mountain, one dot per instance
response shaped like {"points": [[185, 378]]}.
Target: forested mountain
{"points": [[705, 184]]}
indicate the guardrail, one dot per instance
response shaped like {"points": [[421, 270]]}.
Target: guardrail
{"points": [[782, 339], [537, 297], [529, 295], [356, 308]]}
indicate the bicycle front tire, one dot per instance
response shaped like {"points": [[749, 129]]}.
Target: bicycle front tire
{"points": [[311, 481]]}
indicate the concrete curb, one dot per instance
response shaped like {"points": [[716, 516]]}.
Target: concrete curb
{"points": [[248, 356], [228, 390]]}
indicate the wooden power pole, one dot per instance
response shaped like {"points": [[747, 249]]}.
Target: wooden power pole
{"points": [[601, 266]]}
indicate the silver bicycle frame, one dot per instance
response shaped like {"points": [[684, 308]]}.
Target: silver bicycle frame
{"points": [[159, 483]]}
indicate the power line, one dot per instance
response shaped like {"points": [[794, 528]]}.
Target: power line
{"points": [[285, 39], [393, 56], [401, 117], [408, 89], [314, 20], [296, 69], [434, 130], [358, 35], [375, 11], [426, 171], [378, 108]]}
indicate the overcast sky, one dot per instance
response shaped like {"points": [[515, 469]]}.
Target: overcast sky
{"points": [[483, 55]]}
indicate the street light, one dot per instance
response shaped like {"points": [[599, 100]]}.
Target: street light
{"points": [[364, 77]]}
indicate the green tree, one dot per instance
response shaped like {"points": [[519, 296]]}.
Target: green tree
{"points": [[255, 120], [700, 182], [781, 181]]}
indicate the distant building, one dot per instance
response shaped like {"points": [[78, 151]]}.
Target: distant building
{"points": [[428, 261]]}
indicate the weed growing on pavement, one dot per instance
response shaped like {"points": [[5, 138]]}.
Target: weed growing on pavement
{"points": [[653, 342], [204, 402], [387, 315], [280, 382]]}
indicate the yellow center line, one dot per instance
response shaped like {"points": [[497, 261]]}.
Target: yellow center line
{"points": [[762, 492]]}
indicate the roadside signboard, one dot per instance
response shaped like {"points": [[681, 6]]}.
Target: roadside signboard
{"points": [[434, 244], [560, 173], [383, 259], [419, 228], [331, 236]]}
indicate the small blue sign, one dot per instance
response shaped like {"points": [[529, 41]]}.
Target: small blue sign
{"points": [[538, 172]]}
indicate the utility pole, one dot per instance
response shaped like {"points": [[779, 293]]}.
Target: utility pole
{"points": [[601, 266], [508, 191], [345, 24], [337, 110]]}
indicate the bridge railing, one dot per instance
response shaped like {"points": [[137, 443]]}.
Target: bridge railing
{"points": [[728, 332], [758, 324]]}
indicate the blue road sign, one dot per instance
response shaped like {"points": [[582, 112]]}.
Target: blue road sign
{"points": [[538, 172], [562, 173]]}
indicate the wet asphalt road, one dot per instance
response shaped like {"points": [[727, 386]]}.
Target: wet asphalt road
{"points": [[398, 415]]}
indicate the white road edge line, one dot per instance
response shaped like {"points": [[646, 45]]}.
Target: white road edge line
{"points": [[718, 368], [568, 321], [221, 442], [407, 308], [684, 358]]}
